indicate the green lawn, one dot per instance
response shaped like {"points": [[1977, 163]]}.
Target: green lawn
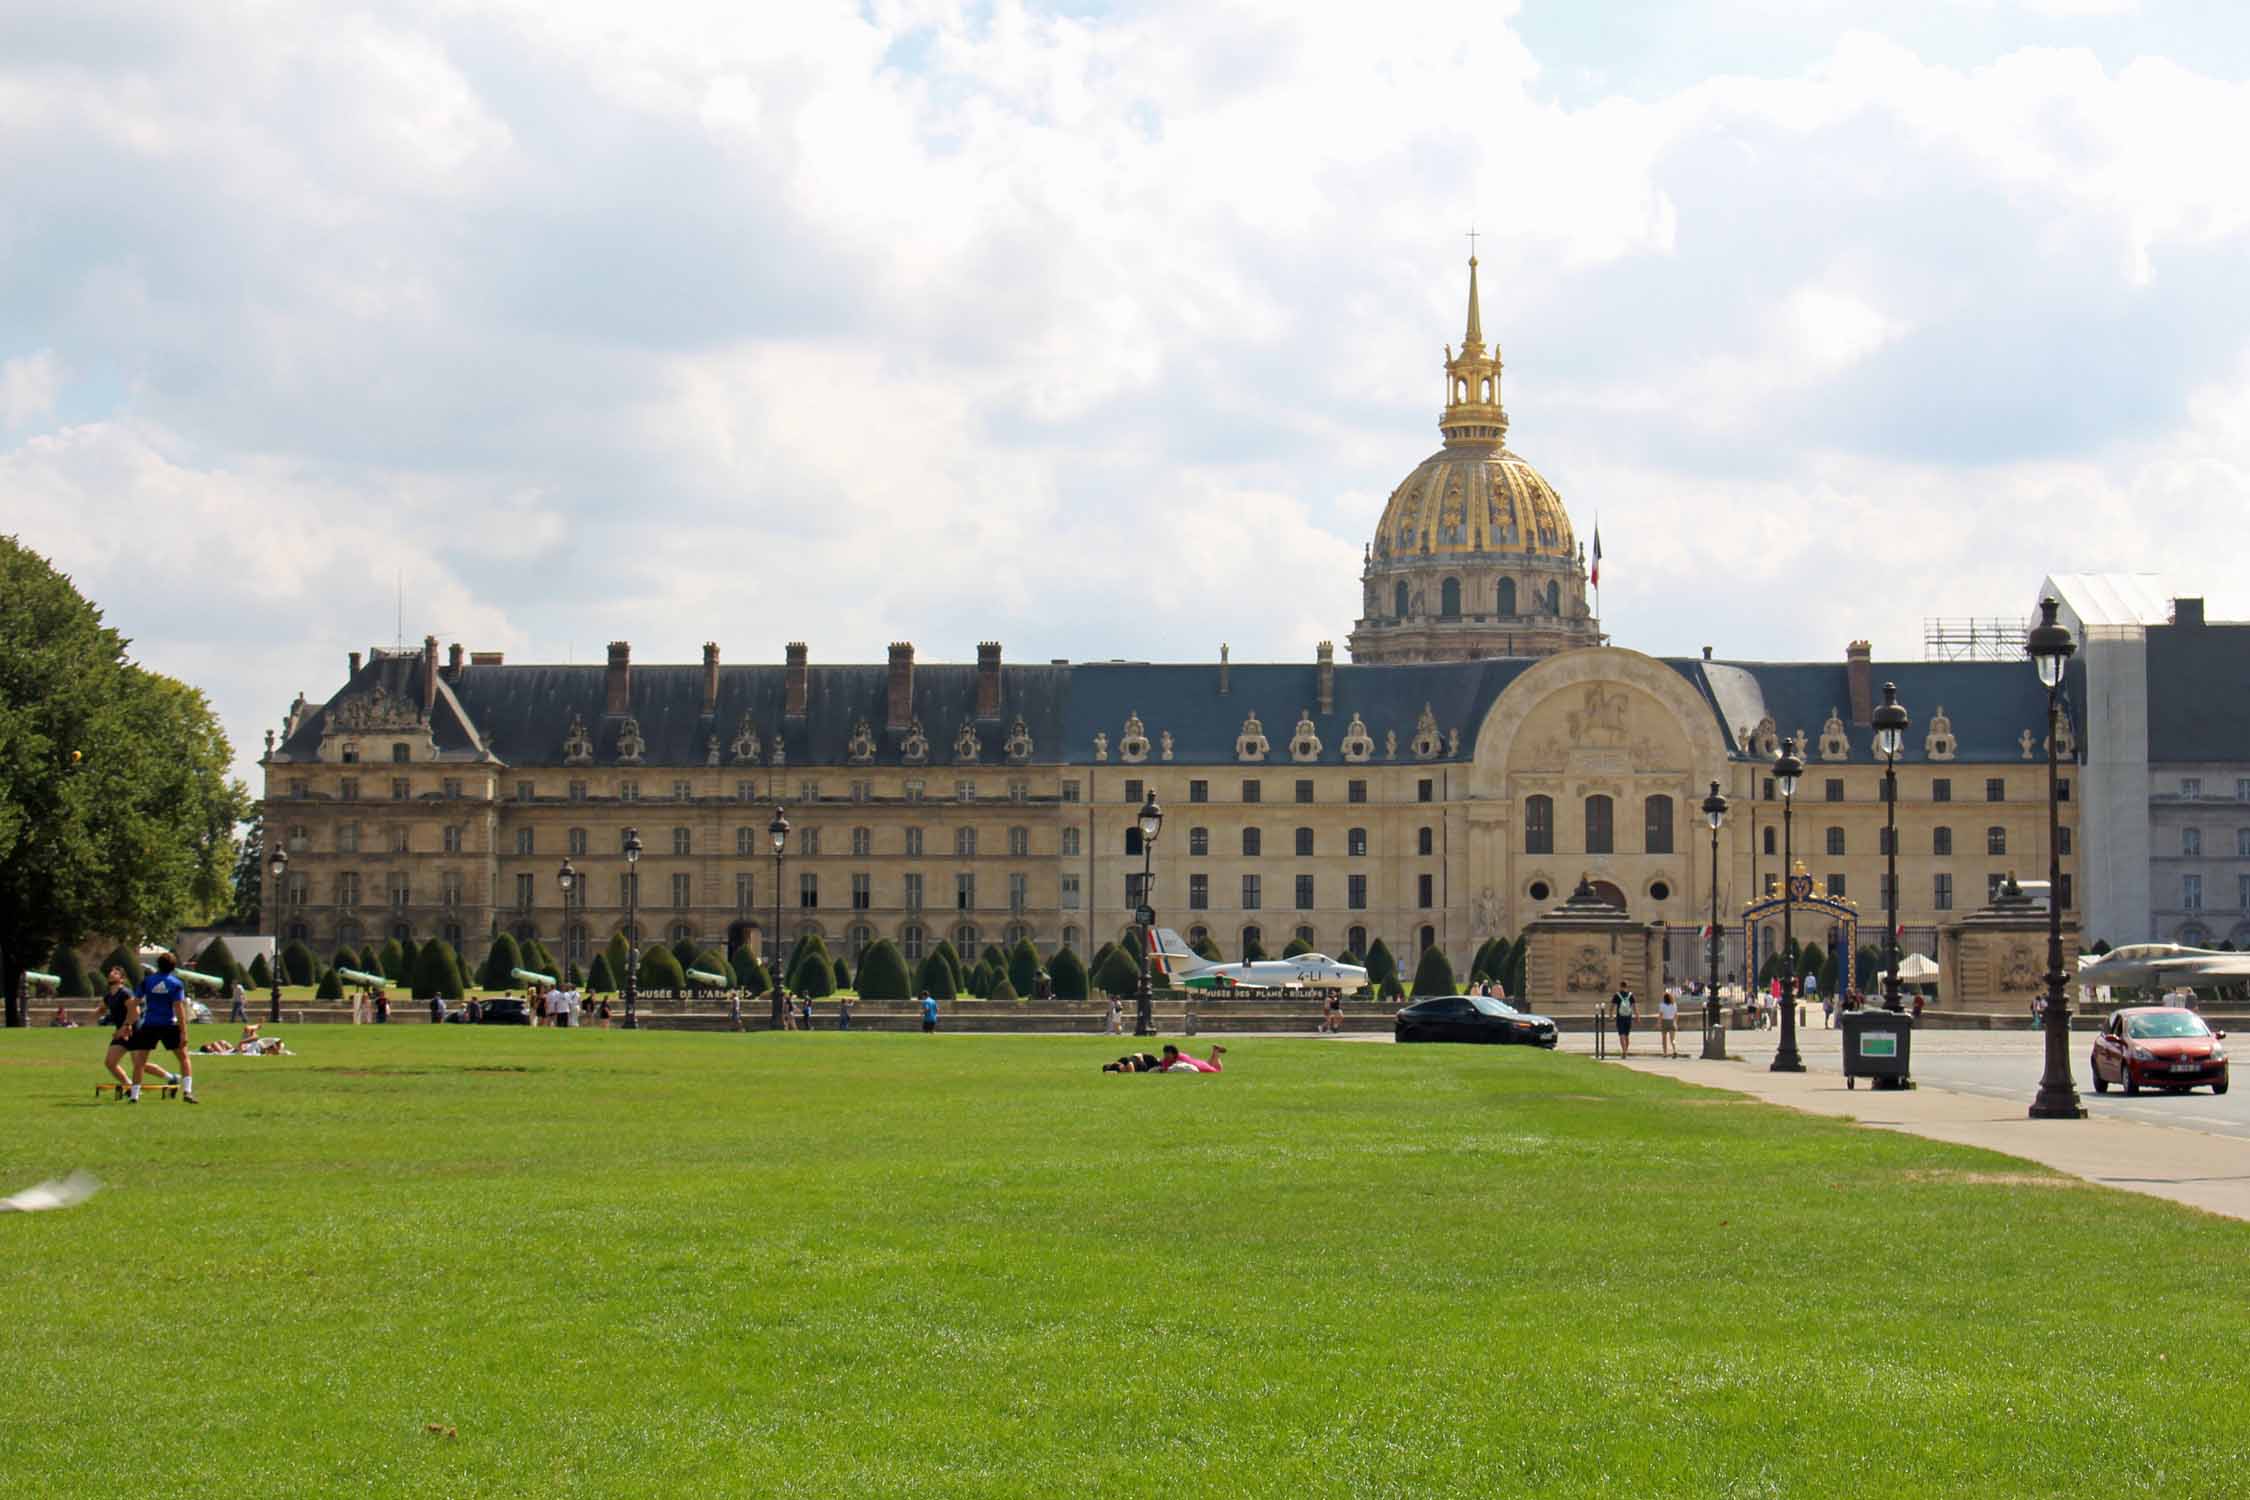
{"points": [[673, 1264]]}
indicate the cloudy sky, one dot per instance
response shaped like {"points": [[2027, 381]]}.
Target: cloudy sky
{"points": [[1099, 329]]}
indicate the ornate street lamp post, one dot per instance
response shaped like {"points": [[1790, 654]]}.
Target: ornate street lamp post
{"points": [[778, 832], [1786, 769], [2049, 646], [279, 864], [1890, 740], [632, 929], [567, 878], [1152, 822], [1714, 1018]]}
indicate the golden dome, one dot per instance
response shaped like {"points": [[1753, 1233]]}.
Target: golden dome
{"points": [[1475, 498]]}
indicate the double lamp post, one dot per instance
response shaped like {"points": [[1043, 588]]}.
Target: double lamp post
{"points": [[1151, 821]]}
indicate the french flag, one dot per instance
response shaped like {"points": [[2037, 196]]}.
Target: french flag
{"points": [[1597, 575]]}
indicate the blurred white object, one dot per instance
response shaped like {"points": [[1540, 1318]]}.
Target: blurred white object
{"points": [[72, 1190]]}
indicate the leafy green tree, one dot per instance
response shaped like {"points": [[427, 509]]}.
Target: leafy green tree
{"points": [[1294, 947], [1023, 967], [1253, 950], [330, 988], [935, 976], [260, 972], [247, 905], [70, 971], [1117, 974], [298, 966], [882, 972], [1068, 975], [116, 810], [1381, 967], [598, 978], [500, 962], [217, 960], [660, 969], [1434, 974], [1206, 949], [1002, 990], [1810, 961], [1867, 966], [437, 971], [815, 974], [749, 973], [122, 957], [392, 956]]}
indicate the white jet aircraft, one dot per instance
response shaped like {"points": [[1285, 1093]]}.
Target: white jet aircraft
{"points": [[1173, 957]]}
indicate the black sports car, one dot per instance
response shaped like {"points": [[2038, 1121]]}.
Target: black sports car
{"points": [[1471, 1018], [507, 1011]]}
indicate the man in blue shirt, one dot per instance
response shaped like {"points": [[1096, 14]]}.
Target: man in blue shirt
{"points": [[163, 1023], [929, 1011]]}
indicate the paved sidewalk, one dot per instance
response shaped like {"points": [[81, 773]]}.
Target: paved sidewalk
{"points": [[2194, 1167]]}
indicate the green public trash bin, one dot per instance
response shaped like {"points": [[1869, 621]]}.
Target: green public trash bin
{"points": [[1878, 1044]]}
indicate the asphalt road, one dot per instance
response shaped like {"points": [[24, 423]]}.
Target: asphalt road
{"points": [[2006, 1065]]}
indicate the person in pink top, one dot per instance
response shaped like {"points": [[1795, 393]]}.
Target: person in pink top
{"points": [[1176, 1061]]}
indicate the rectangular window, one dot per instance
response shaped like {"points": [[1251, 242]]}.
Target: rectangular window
{"points": [[1425, 790], [1767, 793], [347, 889], [1133, 790], [1941, 789], [1883, 891], [2062, 840], [746, 791], [1304, 893], [1995, 789], [1355, 791], [453, 838], [1835, 789], [1250, 893], [1199, 791], [2242, 891], [914, 791], [1836, 886], [808, 791], [401, 789], [863, 842], [1355, 843], [2064, 894], [863, 791], [1996, 841], [2242, 789], [523, 841], [1355, 892], [683, 791], [401, 753], [1199, 842], [1019, 893], [1601, 829], [1539, 825], [402, 894], [965, 843], [1835, 841], [1019, 842], [913, 843], [2191, 893], [628, 791], [808, 841], [1656, 836], [913, 892], [964, 892], [1253, 843], [1070, 894], [1883, 841], [347, 838], [1425, 891], [683, 892], [745, 842], [398, 841], [1070, 791], [863, 891], [2062, 789], [964, 791], [1941, 841], [1304, 791], [1019, 791], [683, 841], [524, 791], [1199, 893], [2191, 786], [578, 843], [300, 789], [1070, 841], [1304, 843], [1136, 886], [348, 789], [745, 893], [1941, 893], [452, 785], [2191, 842], [808, 890], [578, 791], [1773, 840], [1253, 791]]}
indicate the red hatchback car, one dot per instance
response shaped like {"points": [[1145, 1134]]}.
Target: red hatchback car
{"points": [[2158, 1047]]}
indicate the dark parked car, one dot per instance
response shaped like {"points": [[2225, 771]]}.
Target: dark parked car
{"points": [[504, 1012], [2158, 1047], [1471, 1018]]}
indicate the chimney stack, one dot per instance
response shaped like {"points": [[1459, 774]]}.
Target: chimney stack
{"points": [[429, 674], [710, 677], [618, 700], [1327, 677], [793, 683], [453, 662], [487, 658], [1859, 669], [988, 679], [2188, 612], [1706, 653], [355, 663], [1223, 688], [901, 710]]}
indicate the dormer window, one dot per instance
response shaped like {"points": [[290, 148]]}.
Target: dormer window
{"points": [[401, 753], [351, 752]]}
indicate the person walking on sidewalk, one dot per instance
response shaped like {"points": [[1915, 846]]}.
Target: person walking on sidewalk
{"points": [[1621, 1006], [1668, 1023]]}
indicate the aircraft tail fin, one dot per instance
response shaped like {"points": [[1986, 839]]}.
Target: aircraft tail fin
{"points": [[1171, 956]]}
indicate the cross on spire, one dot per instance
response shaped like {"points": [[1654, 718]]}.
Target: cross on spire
{"points": [[1472, 241]]}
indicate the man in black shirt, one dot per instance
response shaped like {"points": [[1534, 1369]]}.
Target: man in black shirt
{"points": [[119, 1011]]}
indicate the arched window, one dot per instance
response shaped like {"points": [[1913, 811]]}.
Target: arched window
{"points": [[1398, 600], [1507, 599], [1658, 837], [1539, 825], [296, 932], [1355, 943], [1304, 843], [964, 939], [1355, 843], [682, 933], [1835, 841], [574, 943], [1425, 841], [1253, 842], [910, 940], [1554, 598], [1070, 938], [1996, 840], [1305, 936], [347, 934], [1199, 935], [1429, 941], [1449, 598], [1017, 933], [1253, 944], [859, 939], [1601, 824]]}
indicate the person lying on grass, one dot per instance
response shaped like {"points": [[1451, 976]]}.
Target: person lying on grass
{"points": [[1173, 1061]]}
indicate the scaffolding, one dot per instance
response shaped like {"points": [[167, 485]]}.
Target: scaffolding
{"points": [[1972, 640]]}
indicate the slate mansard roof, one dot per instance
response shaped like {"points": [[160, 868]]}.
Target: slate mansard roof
{"points": [[521, 715]]}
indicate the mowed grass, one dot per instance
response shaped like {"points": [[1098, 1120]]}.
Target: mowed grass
{"points": [[663, 1264]]}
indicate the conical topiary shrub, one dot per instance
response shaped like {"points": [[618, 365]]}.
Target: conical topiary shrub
{"points": [[1434, 974], [1068, 975], [882, 972]]}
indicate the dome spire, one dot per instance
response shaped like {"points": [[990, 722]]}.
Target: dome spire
{"points": [[1472, 340], [1473, 413]]}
